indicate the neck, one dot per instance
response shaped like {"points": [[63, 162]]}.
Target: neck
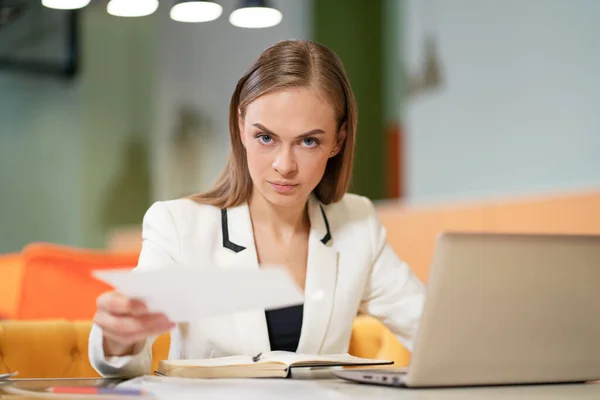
{"points": [[277, 220]]}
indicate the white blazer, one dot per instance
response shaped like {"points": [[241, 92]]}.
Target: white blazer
{"points": [[350, 268]]}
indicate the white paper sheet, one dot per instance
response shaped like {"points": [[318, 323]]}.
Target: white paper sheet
{"points": [[163, 388], [188, 294]]}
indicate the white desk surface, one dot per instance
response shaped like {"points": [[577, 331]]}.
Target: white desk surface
{"points": [[335, 389], [326, 389]]}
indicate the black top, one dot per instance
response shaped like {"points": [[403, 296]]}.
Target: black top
{"points": [[284, 325]]}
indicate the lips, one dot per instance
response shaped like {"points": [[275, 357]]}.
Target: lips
{"points": [[283, 187]]}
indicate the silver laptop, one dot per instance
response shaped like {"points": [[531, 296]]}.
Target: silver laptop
{"points": [[505, 309]]}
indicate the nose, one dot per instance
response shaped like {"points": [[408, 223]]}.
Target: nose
{"points": [[285, 162]]}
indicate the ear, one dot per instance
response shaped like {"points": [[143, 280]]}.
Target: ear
{"points": [[240, 121], [341, 137]]}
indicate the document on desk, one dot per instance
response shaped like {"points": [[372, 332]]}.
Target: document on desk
{"points": [[188, 294], [163, 388]]}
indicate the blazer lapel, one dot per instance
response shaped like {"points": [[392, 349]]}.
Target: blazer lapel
{"points": [[239, 251], [321, 279]]}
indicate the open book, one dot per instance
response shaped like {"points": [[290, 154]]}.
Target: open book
{"points": [[274, 364]]}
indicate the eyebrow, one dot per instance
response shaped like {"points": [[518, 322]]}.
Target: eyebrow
{"points": [[309, 133]]}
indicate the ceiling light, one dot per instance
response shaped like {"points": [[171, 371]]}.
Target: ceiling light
{"points": [[196, 11], [255, 14], [65, 4], [131, 8]]}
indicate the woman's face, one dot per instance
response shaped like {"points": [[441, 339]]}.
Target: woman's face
{"points": [[289, 136]]}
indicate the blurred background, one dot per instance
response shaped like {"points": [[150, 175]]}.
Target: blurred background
{"points": [[468, 105]]}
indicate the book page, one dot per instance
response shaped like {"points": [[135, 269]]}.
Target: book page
{"points": [[211, 362], [279, 357], [230, 361]]}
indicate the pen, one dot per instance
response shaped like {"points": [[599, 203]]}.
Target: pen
{"points": [[257, 357], [8, 376], [96, 390]]}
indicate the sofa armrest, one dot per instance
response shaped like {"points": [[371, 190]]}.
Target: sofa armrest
{"points": [[55, 349], [371, 339], [48, 349]]}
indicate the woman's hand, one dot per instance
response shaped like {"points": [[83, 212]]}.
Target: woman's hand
{"points": [[126, 323]]}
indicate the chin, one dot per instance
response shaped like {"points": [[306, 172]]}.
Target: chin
{"points": [[284, 199]]}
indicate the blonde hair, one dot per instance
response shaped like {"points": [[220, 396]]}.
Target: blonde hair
{"points": [[290, 63]]}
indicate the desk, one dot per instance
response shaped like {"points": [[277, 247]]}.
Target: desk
{"points": [[332, 389]]}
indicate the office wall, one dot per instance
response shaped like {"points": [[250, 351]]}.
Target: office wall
{"points": [[198, 66], [517, 111], [63, 143], [39, 136], [39, 160], [117, 97]]}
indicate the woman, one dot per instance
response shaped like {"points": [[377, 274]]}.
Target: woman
{"points": [[280, 201]]}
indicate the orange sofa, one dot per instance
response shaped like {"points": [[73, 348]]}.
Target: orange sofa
{"points": [[48, 281], [54, 349], [11, 271]]}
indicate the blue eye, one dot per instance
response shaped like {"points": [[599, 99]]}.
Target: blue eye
{"points": [[310, 142], [265, 139]]}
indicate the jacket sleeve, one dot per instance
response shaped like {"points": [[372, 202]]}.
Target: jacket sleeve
{"points": [[393, 294], [160, 248]]}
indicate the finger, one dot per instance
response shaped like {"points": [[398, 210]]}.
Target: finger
{"points": [[113, 302], [138, 307], [135, 337], [116, 303], [163, 324], [122, 326], [130, 328], [118, 339]]}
